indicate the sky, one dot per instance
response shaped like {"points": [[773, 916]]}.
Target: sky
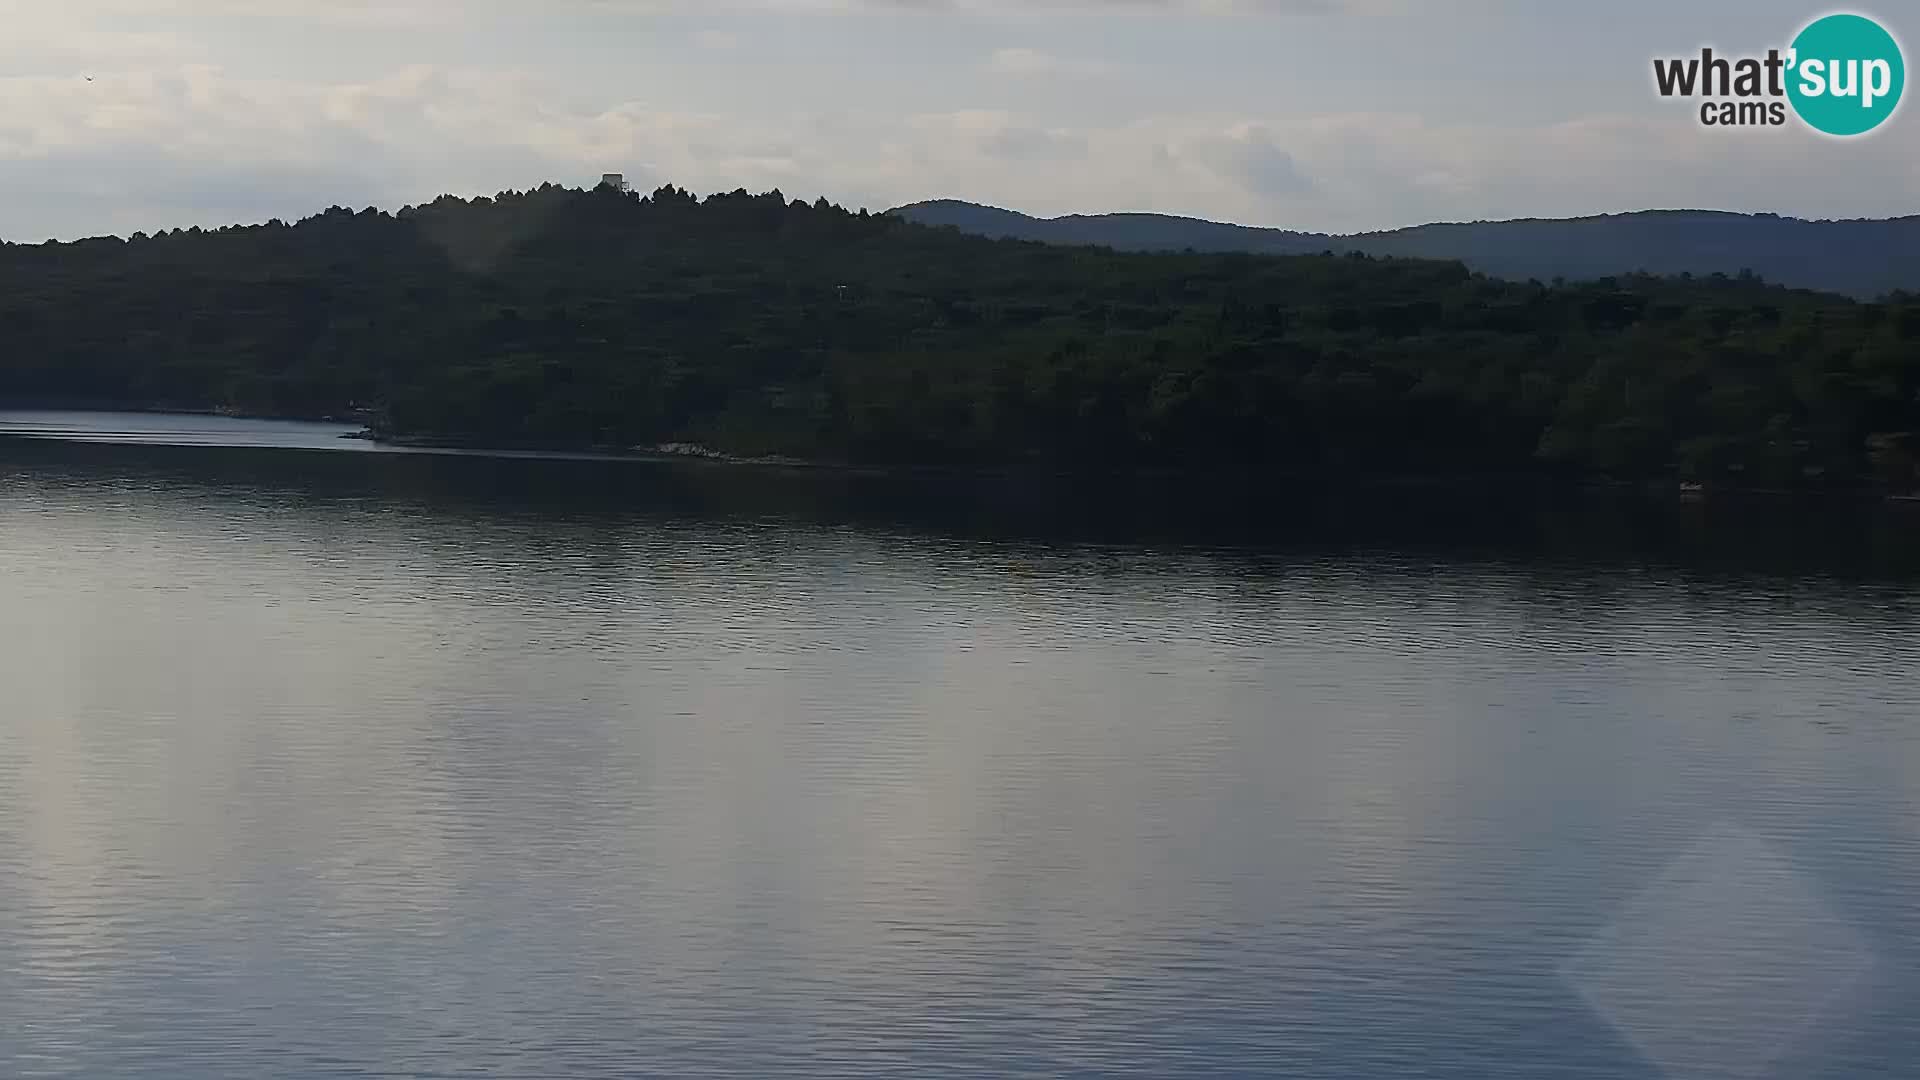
{"points": [[1326, 115]]}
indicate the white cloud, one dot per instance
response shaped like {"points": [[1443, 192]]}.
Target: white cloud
{"points": [[1250, 156], [1019, 61], [188, 122], [194, 145]]}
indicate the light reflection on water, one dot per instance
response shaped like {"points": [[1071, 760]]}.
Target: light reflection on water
{"points": [[418, 769]]}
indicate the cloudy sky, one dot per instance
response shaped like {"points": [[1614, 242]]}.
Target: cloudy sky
{"points": [[1333, 115]]}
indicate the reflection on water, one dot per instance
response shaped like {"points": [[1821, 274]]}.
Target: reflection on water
{"points": [[177, 429], [343, 765]]}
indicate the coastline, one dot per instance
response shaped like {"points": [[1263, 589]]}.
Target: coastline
{"points": [[1538, 484]]}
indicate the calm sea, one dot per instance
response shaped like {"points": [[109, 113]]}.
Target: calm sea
{"points": [[320, 762]]}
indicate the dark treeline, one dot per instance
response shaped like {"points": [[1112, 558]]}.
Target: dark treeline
{"points": [[756, 325]]}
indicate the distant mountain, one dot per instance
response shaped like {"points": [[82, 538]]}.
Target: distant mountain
{"points": [[1862, 258]]}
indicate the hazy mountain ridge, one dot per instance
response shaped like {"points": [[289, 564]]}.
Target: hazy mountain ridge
{"points": [[1862, 258]]}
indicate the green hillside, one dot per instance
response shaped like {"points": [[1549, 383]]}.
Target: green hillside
{"points": [[754, 325]]}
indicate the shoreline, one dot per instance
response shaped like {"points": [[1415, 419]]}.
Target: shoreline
{"points": [[1539, 485]]}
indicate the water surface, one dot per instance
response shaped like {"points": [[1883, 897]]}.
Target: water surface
{"points": [[178, 429], [348, 765]]}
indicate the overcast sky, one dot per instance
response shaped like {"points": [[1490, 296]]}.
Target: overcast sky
{"points": [[1335, 115]]}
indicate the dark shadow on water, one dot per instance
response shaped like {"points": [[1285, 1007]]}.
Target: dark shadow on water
{"points": [[1837, 538]]}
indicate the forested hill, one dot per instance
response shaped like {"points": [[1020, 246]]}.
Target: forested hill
{"points": [[756, 325], [1860, 258]]}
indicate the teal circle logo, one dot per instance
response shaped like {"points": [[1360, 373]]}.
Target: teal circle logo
{"points": [[1846, 76]]}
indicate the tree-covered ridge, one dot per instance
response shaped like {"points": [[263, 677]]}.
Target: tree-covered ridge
{"points": [[1863, 258], [755, 324]]}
